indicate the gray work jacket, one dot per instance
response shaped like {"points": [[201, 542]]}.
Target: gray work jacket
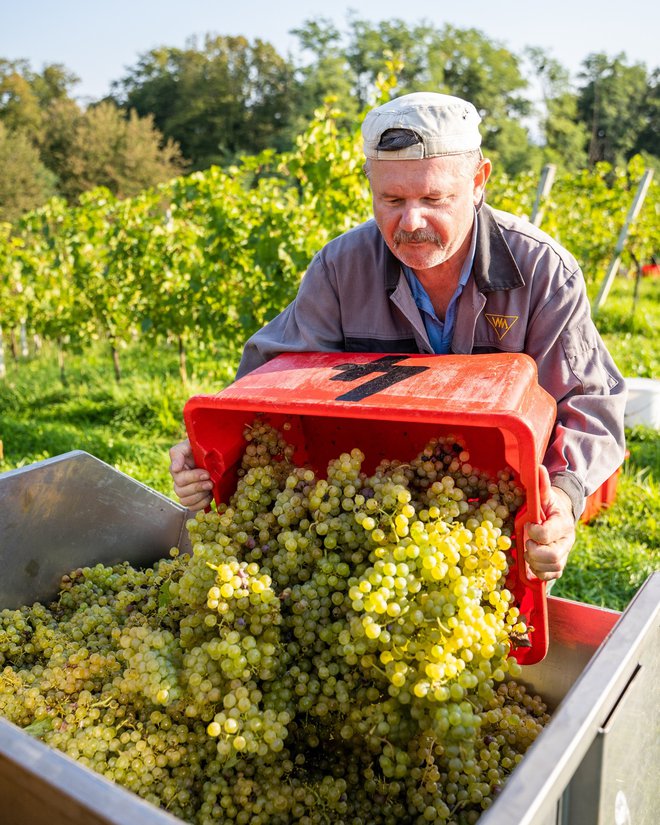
{"points": [[526, 294]]}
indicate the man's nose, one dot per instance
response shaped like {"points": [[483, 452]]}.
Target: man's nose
{"points": [[412, 218]]}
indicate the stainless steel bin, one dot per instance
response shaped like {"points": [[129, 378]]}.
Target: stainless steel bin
{"points": [[596, 763]]}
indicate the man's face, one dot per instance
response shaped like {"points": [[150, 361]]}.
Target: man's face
{"points": [[425, 208]]}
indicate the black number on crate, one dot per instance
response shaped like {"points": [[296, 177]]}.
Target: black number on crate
{"points": [[391, 372]]}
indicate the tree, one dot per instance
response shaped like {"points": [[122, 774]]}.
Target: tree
{"points": [[488, 75], [62, 119], [648, 140], [612, 105], [230, 97], [54, 83], [26, 95], [565, 135], [328, 76], [25, 183], [45, 129], [122, 153], [20, 108], [371, 46], [455, 61]]}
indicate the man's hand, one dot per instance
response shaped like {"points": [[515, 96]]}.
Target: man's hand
{"points": [[191, 484], [549, 543]]}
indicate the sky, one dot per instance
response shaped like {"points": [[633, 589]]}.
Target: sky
{"points": [[99, 40]]}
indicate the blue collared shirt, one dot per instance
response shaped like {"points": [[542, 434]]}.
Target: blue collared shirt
{"points": [[439, 332]]}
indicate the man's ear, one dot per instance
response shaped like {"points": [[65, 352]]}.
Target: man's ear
{"points": [[480, 180]]}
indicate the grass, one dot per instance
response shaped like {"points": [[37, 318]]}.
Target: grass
{"points": [[131, 426], [631, 329]]}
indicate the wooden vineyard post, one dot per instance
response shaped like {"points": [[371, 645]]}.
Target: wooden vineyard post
{"points": [[542, 191], [616, 260]]}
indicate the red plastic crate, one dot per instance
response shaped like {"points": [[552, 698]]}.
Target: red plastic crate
{"points": [[602, 497], [390, 406]]}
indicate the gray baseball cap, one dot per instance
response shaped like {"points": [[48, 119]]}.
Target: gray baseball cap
{"points": [[443, 125]]}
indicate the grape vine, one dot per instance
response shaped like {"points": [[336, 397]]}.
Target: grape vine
{"points": [[214, 255]]}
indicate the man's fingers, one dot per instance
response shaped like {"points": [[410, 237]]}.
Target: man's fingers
{"points": [[547, 532], [548, 575], [545, 489], [192, 485], [193, 493], [547, 561], [195, 501], [195, 477], [193, 488], [558, 526]]}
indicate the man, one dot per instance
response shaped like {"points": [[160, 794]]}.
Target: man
{"points": [[438, 270]]}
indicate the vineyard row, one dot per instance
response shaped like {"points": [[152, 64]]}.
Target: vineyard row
{"points": [[215, 254]]}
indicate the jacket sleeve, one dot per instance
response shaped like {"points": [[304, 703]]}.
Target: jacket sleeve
{"points": [[587, 444], [311, 322]]}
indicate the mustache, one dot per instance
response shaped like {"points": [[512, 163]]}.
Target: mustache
{"points": [[418, 236]]}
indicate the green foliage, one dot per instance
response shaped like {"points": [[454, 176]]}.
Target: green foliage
{"points": [[566, 137], [328, 75], [648, 140], [228, 97], [20, 109], [48, 145], [585, 212], [122, 152], [225, 97], [186, 259], [613, 103], [212, 256], [462, 62]]}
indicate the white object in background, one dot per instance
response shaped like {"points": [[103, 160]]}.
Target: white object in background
{"points": [[643, 404]]}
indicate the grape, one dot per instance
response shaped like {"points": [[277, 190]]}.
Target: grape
{"points": [[333, 649]]}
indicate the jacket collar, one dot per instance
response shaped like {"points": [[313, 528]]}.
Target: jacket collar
{"points": [[392, 268], [494, 266]]}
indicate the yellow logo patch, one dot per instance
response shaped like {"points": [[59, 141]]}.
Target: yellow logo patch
{"points": [[501, 323]]}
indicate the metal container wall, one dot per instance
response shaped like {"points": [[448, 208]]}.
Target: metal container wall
{"points": [[594, 764], [75, 510], [597, 761]]}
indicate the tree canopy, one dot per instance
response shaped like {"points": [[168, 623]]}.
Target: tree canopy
{"points": [[226, 97], [49, 145], [229, 97]]}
